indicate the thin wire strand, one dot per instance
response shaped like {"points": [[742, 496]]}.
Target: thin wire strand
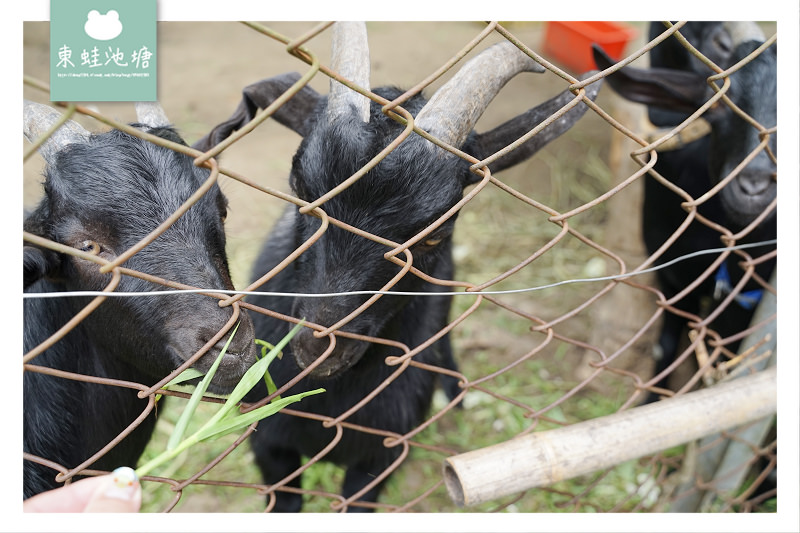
{"points": [[400, 293]]}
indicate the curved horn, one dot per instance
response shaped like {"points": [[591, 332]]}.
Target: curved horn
{"points": [[151, 114], [38, 118], [349, 59], [456, 107]]}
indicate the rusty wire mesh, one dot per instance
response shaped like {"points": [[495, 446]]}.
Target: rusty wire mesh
{"points": [[528, 361]]}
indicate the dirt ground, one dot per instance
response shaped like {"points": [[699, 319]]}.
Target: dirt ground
{"points": [[204, 66]]}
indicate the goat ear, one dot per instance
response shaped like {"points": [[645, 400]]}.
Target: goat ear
{"points": [[669, 89], [38, 263], [494, 140], [293, 114]]}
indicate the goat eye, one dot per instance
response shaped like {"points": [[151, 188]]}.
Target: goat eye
{"points": [[222, 207], [723, 42], [431, 242], [90, 247]]}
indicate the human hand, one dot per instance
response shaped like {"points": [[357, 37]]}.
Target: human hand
{"points": [[118, 492]]}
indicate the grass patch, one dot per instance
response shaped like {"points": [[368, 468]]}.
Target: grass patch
{"points": [[224, 420], [486, 420]]}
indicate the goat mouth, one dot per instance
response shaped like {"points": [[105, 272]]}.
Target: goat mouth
{"points": [[746, 206], [343, 357], [231, 368]]}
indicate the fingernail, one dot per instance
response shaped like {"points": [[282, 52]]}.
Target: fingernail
{"points": [[125, 484]]}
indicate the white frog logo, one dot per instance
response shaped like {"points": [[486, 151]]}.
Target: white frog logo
{"points": [[103, 27]]}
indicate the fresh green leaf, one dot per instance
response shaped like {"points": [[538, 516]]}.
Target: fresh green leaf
{"points": [[231, 424], [186, 375], [271, 387], [250, 378], [194, 400], [226, 420], [268, 381], [265, 346]]}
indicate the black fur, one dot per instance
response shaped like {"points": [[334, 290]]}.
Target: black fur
{"points": [[341, 261], [407, 191], [113, 190], [674, 87]]}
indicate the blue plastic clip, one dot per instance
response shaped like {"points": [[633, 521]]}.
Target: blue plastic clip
{"points": [[747, 299]]}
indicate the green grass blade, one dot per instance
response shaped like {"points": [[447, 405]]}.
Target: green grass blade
{"points": [[225, 420], [231, 424], [194, 399], [221, 429], [275, 351], [268, 381], [186, 375], [271, 387], [250, 378], [166, 455]]}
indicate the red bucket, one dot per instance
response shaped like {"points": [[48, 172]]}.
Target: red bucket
{"points": [[570, 42]]}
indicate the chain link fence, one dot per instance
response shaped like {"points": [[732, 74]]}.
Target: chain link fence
{"points": [[565, 223]]}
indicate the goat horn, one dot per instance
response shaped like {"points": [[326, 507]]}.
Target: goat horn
{"points": [[349, 59], [455, 108], [38, 118], [151, 114], [741, 32]]}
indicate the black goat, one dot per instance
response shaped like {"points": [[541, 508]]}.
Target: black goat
{"points": [[103, 194], [405, 193], [674, 87]]}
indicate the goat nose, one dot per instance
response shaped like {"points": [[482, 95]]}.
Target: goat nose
{"points": [[307, 348], [754, 182], [241, 343]]}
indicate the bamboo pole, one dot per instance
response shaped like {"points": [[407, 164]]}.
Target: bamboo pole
{"points": [[546, 457]]}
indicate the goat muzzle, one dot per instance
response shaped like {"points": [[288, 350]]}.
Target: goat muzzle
{"points": [[329, 358]]}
